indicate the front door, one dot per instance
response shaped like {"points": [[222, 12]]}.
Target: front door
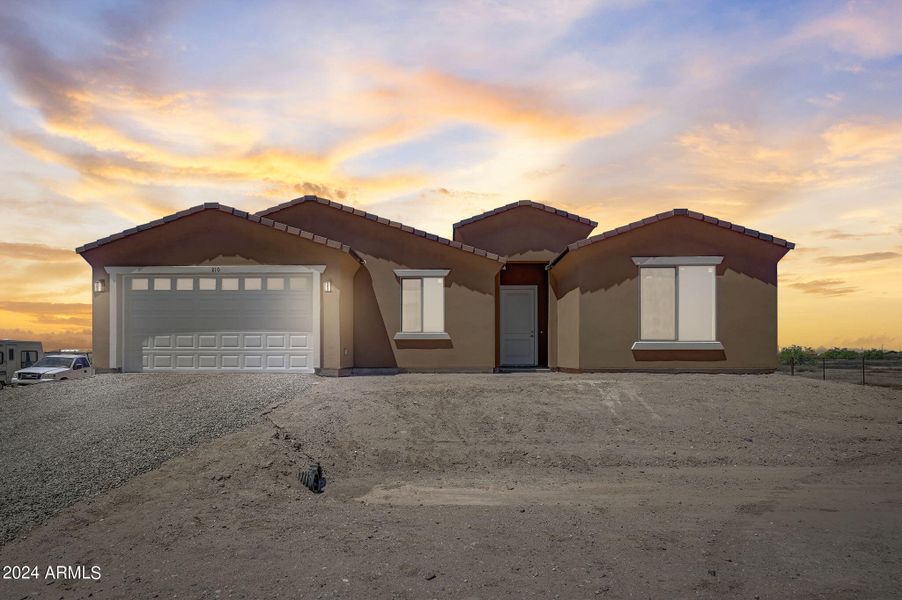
{"points": [[519, 345]]}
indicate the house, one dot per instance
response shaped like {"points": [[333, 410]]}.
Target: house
{"points": [[312, 285]]}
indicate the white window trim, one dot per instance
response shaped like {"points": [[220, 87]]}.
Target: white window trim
{"points": [[117, 274], [675, 262], [640, 345], [418, 335], [421, 335], [422, 272]]}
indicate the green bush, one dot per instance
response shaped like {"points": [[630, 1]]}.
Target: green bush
{"points": [[800, 354], [846, 353]]}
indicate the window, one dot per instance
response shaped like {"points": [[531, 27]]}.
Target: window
{"points": [[206, 283], [677, 302], [28, 358], [230, 283], [80, 363], [253, 283], [12, 355], [184, 284], [2, 358], [162, 284], [298, 283], [139, 284], [275, 283], [422, 303]]}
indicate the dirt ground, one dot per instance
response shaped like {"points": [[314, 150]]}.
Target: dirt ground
{"points": [[511, 486]]}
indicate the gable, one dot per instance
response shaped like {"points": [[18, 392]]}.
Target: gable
{"points": [[524, 231], [217, 233]]}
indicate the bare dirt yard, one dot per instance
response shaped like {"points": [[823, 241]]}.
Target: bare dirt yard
{"points": [[509, 486]]}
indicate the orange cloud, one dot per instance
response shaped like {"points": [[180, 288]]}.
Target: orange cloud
{"points": [[426, 97], [859, 258], [51, 340], [36, 252], [854, 144], [824, 287]]}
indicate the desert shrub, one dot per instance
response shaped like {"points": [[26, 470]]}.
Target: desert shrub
{"points": [[801, 355], [846, 353]]}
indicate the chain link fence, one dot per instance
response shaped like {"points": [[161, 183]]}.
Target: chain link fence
{"points": [[881, 372]]}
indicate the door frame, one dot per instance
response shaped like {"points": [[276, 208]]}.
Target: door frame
{"points": [[535, 322]]}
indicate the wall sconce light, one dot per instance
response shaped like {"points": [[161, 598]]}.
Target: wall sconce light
{"points": [[327, 286], [99, 285]]}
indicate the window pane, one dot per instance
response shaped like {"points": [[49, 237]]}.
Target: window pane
{"points": [[139, 284], [275, 283], [161, 283], [230, 283], [298, 283], [658, 304], [206, 283], [184, 283], [697, 304], [433, 304], [411, 295], [253, 283]]}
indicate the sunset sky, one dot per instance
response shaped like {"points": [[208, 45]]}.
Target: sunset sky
{"points": [[784, 117]]}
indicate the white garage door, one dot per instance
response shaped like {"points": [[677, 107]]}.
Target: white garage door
{"points": [[219, 322]]}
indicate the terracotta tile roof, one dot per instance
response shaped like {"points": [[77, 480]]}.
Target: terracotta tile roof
{"points": [[383, 221], [228, 210], [531, 204], [676, 212]]}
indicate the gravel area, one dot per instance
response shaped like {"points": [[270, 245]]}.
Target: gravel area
{"points": [[507, 487], [62, 442]]}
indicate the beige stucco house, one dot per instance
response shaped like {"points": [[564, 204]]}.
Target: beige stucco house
{"points": [[315, 286]]}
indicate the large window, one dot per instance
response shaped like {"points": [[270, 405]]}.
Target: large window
{"points": [[677, 300], [422, 303]]}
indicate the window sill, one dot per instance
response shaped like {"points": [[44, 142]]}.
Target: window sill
{"points": [[677, 346], [401, 335]]}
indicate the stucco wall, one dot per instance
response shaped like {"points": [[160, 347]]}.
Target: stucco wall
{"points": [[469, 292], [564, 302], [212, 237], [606, 281], [523, 234]]}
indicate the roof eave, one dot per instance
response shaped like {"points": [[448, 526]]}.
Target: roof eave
{"points": [[318, 239], [387, 222]]}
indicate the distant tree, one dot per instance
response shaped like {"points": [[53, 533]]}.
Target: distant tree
{"points": [[799, 354], [846, 353], [876, 354]]}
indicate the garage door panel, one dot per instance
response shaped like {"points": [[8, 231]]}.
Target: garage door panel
{"points": [[253, 361], [275, 341], [298, 361], [187, 328], [253, 341]]}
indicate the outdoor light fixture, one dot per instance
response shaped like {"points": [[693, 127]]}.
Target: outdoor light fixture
{"points": [[99, 285], [327, 286]]}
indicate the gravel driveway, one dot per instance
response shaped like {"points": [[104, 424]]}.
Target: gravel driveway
{"points": [[65, 441]]}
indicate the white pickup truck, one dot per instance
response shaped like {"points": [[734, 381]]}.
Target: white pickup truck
{"points": [[55, 367]]}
